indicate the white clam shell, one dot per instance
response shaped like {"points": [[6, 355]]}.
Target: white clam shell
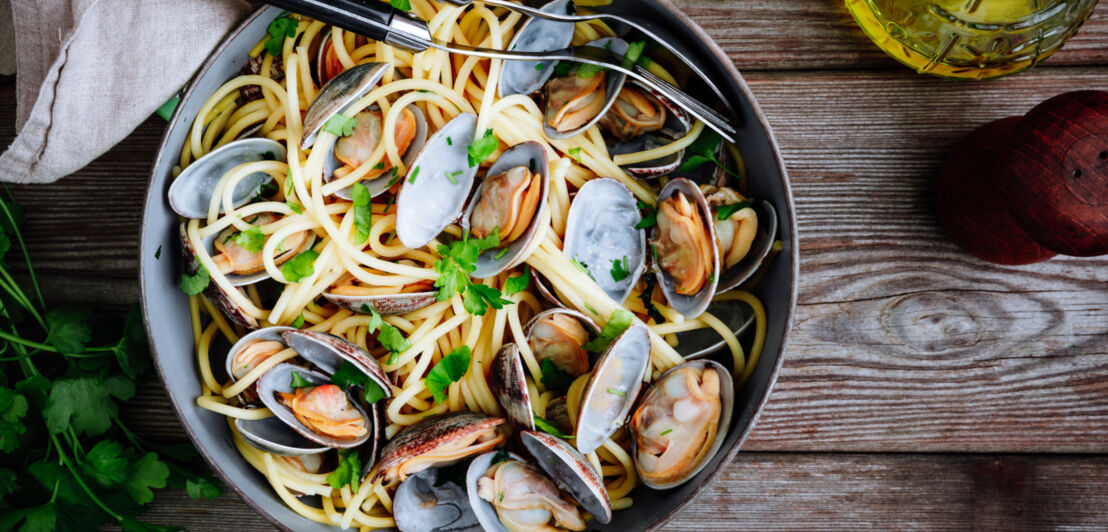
{"points": [[536, 35], [600, 229], [190, 194]]}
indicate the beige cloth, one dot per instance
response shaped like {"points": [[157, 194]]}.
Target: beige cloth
{"points": [[89, 71]]}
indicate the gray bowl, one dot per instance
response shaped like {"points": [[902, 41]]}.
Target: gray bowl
{"points": [[167, 316]]}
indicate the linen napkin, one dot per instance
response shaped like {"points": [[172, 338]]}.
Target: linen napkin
{"points": [[89, 71]]}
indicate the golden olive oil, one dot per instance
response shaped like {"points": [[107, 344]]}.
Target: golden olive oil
{"points": [[975, 39]]}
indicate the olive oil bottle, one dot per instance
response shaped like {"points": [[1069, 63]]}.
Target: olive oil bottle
{"points": [[974, 39]]}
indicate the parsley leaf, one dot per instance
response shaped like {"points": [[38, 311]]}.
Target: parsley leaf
{"points": [[703, 151], [582, 267], [252, 240], [299, 382], [576, 154], [617, 323], [478, 297], [647, 298], [349, 471], [363, 212], [459, 259], [296, 207], [450, 369], [104, 463], [372, 392], [340, 125], [195, 284], [482, 148], [725, 211], [349, 375], [588, 70], [85, 403], [620, 270], [650, 219], [300, 267], [67, 329], [392, 339], [298, 322], [415, 174], [549, 428], [553, 377], [519, 283], [13, 408], [279, 29], [634, 52], [202, 488], [403, 5], [147, 473]]}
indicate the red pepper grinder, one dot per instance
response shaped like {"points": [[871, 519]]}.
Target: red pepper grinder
{"points": [[1020, 190]]}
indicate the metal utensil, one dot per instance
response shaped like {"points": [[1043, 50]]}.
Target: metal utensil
{"points": [[383, 22]]}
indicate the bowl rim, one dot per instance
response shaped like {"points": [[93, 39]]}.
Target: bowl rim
{"points": [[153, 195]]}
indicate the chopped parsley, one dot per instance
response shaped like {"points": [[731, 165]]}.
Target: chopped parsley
{"points": [[415, 174], [650, 218], [340, 125], [363, 212], [588, 70], [379, 166], [617, 323], [252, 240], [403, 5], [299, 382], [349, 375], [158, 254], [590, 309], [725, 211], [482, 148], [452, 175], [667, 431], [195, 283], [614, 391], [549, 428], [389, 336], [553, 377], [634, 52], [348, 472], [479, 297], [449, 370], [519, 283], [279, 29], [295, 207], [459, 260], [300, 267], [500, 254], [298, 322], [620, 270], [449, 141], [576, 154], [582, 267]]}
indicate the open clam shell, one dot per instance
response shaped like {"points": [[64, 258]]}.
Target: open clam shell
{"points": [[385, 304], [727, 401], [690, 305], [273, 435], [268, 334], [235, 314], [613, 84], [655, 167], [190, 194], [736, 315], [382, 183], [279, 379], [571, 471], [482, 509], [533, 156], [508, 382], [536, 35], [438, 441], [328, 352], [575, 361], [431, 502], [738, 274], [600, 230], [341, 91], [612, 388], [443, 179], [244, 279]]}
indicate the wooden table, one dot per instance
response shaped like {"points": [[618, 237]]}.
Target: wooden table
{"points": [[922, 388]]}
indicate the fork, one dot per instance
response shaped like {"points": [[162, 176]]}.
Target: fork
{"points": [[383, 22]]}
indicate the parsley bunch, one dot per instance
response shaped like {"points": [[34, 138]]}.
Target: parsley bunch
{"points": [[67, 460], [459, 260]]}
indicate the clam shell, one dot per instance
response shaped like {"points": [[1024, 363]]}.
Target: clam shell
{"points": [[273, 435], [191, 192], [652, 168], [694, 305], [337, 95], [759, 250], [615, 83], [484, 510], [600, 229], [428, 502], [385, 305], [234, 314], [530, 154], [430, 433], [571, 471], [431, 203], [727, 402], [279, 379], [244, 279], [536, 35], [260, 335], [381, 184], [328, 352], [509, 385], [736, 315], [620, 369], [589, 324]]}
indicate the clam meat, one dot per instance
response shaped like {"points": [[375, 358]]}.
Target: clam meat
{"points": [[526, 500], [238, 254], [356, 148], [559, 336], [574, 100], [634, 113], [684, 244], [327, 410], [508, 203], [250, 356], [736, 232]]}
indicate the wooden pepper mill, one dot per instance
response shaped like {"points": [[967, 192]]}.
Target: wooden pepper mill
{"points": [[1020, 190]]}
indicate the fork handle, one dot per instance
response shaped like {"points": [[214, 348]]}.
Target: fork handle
{"points": [[377, 20]]}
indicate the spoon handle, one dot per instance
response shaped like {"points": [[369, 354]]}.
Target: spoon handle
{"points": [[373, 19]]}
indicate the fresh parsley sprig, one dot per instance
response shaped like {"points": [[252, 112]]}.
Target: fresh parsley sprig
{"points": [[459, 260], [449, 370], [703, 151]]}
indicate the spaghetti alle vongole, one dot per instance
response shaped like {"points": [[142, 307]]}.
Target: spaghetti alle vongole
{"points": [[451, 278]]}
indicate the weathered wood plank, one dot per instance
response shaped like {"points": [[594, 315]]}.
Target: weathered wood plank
{"points": [[779, 491]]}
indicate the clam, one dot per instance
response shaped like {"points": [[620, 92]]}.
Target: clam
{"points": [[511, 201], [612, 388], [243, 266], [190, 194], [642, 119], [536, 35], [328, 352], [557, 414], [252, 350], [308, 463], [438, 183], [515, 496], [352, 151], [438, 441], [273, 435], [744, 237], [430, 501], [559, 334], [345, 293], [318, 410], [681, 423], [685, 249], [337, 95], [218, 297], [575, 101], [508, 383], [571, 471], [636, 111], [601, 232]]}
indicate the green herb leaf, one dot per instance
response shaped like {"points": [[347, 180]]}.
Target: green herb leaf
{"points": [[340, 125], [634, 52], [576, 154], [620, 270], [725, 211], [614, 391], [392, 339], [452, 177], [479, 297], [41, 518], [372, 392], [650, 218], [363, 212], [694, 162], [105, 464], [299, 382], [202, 488], [413, 176], [500, 456], [482, 148], [563, 68], [296, 207], [300, 267], [67, 329], [85, 403], [500, 254], [617, 323], [167, 108], [252, 240], [348, 375], [588, 70], [582, 267], [298, 322], [147, 473], [553, 377], [195, 284], [449, 370], [13, 408], [349, 471], [403, 5], [549, 428], [667, 431], [519, 283], [279, 29]]}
